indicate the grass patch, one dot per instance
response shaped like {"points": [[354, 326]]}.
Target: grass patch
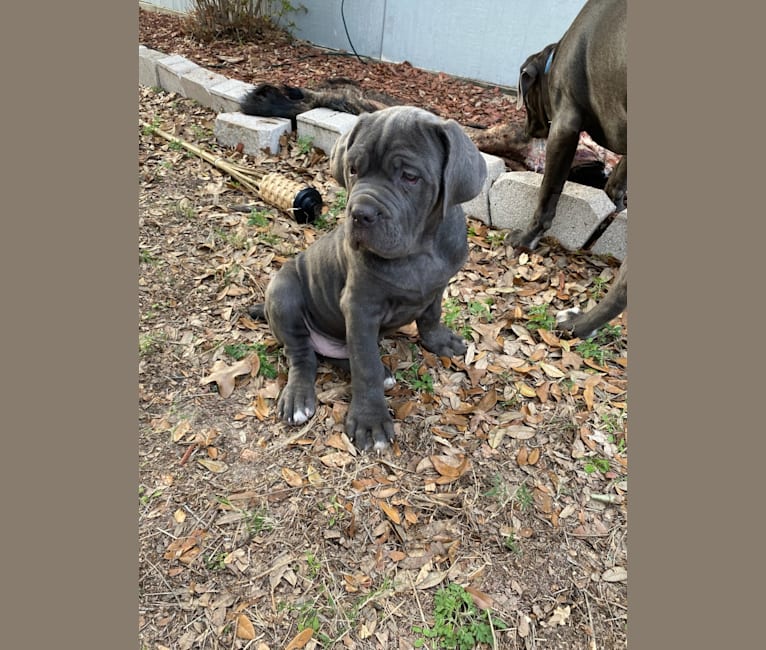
{"points": [[417, 378], [238, 351], [458, 622], [539, 318]]}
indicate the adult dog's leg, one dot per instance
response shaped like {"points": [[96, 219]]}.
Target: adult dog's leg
{"points": [[617, 183], [585, 325], [284, 311], [559, 154]]}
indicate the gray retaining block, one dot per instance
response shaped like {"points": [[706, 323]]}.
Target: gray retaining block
{"points": [[170, 70], [614, 240], [147, 66], [197, 83], [478, 207], [227, 95], [324, 126], [255, 133], [581, 208]]}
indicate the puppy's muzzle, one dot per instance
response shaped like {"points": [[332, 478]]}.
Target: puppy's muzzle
{"points": [[365, 214]]}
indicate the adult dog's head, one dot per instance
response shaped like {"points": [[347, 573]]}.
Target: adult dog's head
{"points": [[533, 91], [404, 169]]}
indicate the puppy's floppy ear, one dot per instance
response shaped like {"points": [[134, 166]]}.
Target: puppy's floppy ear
{"points": [[338, 157], [465, 170]]}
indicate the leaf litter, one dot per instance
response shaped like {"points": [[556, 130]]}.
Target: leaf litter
{"points": [[508, 474]]}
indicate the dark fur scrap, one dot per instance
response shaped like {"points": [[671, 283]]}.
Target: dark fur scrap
{"points": [[338, 93]]}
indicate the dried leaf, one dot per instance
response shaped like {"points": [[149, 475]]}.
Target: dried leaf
{"points": [[451, 467], [337, 459], [245, 629], [391, 512], [292, 478], [300, 639], [427, 579], [552, 371], [225, 376], [215, 466], [482, 600], [615, 574], [534, 456], [182, 428], [560, 616]]}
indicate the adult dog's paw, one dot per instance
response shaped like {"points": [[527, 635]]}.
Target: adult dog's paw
{"points": [[570, 321], [369, 427], [525, 241]]}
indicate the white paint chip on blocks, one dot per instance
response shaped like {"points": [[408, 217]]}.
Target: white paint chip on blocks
{"points": [[255, 133], [581, 208]]}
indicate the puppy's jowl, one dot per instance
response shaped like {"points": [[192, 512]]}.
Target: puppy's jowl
{"points": [[387, 264]]}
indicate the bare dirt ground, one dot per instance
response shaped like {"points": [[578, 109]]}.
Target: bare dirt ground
{"points": [[508, 476]]}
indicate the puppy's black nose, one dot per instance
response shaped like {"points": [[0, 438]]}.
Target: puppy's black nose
{"points": [[365, 214]]}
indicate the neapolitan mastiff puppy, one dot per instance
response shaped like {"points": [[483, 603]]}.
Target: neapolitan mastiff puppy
{"points": [[580, 84], [387, 264]]}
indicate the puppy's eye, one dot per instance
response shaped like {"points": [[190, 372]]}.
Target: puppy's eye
{"points": [[410, 178]]}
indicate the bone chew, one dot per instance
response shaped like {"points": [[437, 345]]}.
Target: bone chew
{"points": [[303, 202]]}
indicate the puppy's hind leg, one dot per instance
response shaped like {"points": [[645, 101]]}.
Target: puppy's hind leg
{"points": [[284, 311]]}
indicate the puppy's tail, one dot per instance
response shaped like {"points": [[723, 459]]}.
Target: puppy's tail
{"points": [[257, 311]]}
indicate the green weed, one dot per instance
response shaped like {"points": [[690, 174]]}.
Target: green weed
{"points": [[238, 351], [420, 382], [481, 309], [258, 218], [458, 623], [593, 465], [539, 318], [305, 143]]}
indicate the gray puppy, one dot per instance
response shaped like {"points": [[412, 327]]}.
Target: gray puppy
{"points": [[580, 84], [387, 264]]}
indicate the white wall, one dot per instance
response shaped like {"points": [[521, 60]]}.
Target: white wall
{"points": [[486, 40]]}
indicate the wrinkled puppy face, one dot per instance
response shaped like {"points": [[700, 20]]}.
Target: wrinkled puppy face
{"points": [[392, 165], [532, 79]]}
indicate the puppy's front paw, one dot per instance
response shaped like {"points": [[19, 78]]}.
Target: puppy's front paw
{"points": [[443, 341], [369, 427], [297, 403]]}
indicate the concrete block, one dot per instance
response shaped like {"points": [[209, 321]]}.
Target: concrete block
{"points": [[227, 95], [614, 240], [581, 208], [255, 133], [324, 127], [197, 84], [147, 66], [478, 207], [170, 69]]}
